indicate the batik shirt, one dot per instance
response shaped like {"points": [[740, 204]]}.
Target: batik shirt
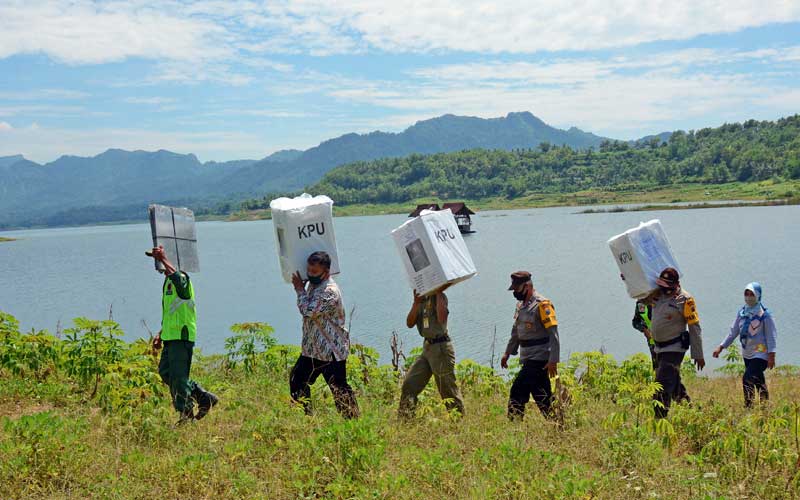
{"points": [[325, 336]]}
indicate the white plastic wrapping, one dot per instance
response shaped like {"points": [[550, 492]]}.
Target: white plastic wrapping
{"points": [[303, 225], [174, 229], [433, 251], [641, 254]]}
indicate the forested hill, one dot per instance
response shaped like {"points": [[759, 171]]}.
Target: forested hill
{"points": [[117, 185], [445, 133], [750, 151]]}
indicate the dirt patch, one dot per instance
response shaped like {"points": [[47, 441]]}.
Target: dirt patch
{"points": [[15, 409]]}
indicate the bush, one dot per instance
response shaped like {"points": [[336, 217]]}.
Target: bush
{"points": [[91, 347], [32, 355], [250, 341]]}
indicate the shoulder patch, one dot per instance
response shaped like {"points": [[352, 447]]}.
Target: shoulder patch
{"points": [[690, 312], [547, 313]]}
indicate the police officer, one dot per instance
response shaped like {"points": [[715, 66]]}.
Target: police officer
{"points": [[535, 336], [675, 328], [642, 321], [438, 359], [177, 335]]}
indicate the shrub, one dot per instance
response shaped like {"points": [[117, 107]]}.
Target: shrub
{"points": [[250, 340]]}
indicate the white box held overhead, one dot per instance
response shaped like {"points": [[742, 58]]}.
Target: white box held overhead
{"points": [[174, 229], [641, 254], [433, 251], [303, 225]]}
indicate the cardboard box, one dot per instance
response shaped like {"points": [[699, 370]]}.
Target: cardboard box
{"points": [[433, 251], [303, 225], [641, 254]]}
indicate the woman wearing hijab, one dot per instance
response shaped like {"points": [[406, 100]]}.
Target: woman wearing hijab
{"points": [[756, 331]]}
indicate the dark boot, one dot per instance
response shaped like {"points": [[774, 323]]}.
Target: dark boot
{"points": [[205, 401]]}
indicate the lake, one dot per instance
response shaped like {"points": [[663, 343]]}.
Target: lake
{"points": [[50, 276]]}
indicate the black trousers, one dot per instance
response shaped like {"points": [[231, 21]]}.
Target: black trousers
{"points": [[532, 379], [753, 380], [668, 374], [306, 371]]}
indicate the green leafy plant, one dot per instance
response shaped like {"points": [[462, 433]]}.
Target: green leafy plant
{"points": [[250, 340], [91, 347], [734, 364], [33, 354]]}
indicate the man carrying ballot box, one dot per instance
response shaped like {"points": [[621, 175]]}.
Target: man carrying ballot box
{"points": [[438, 359], [326, 341], [675, 328], [177, 336]]}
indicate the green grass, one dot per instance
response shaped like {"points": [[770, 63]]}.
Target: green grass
{"points": [[735, 191], [57, 442], [4, 240]]}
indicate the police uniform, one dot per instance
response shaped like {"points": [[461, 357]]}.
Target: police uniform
{"points": [[675, 329], [535, 336], [438, 359]]}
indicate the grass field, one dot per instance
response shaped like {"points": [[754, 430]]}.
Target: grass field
{"points": [[57, 440]]}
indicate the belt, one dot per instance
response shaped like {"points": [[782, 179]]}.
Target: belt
{"points": [[671, 341], [534, 342], [438, 340]]}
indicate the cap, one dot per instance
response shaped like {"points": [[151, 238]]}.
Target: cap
{"points": [[668, 278], [519, 278]]}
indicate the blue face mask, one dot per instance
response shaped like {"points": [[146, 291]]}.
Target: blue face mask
{"points": [[315, 280]]}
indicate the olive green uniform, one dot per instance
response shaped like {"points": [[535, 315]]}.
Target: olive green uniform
{"points": [[675, 328], [438, 359]]}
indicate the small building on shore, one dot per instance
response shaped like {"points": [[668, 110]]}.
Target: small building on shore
{"points": [[426, 206], [460, 211]]}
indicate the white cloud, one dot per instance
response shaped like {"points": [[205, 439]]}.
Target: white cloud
{"points": [[622, 98], [92, 32], [5, 126], [86, 32], [43, 94], [521, 26], [54, 110], [153, 101]]}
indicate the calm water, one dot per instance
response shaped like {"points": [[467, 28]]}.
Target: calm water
{"points": [[56, 274]]}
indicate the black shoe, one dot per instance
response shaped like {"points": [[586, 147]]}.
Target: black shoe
{"points": [[206, 401]]}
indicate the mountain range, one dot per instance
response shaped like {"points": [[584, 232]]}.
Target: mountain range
{"points": [[117, 184]]}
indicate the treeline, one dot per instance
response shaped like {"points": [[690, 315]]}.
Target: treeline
{"points": [[746, 152]]}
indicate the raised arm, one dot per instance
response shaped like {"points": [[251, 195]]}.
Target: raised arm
{"points": [[413, 314]]}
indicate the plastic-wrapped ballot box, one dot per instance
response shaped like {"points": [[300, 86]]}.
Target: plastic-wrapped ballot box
{"points": [[303, 225], [641, 254], [433, 251], [174, 229]]}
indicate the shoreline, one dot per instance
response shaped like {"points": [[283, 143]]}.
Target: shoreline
{"points": [[692, 206], [672, 197]]}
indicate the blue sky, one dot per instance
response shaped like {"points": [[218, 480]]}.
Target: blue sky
{"points": [[241, 79]]}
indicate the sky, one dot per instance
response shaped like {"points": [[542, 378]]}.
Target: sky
{"points": [[233, 79]]}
